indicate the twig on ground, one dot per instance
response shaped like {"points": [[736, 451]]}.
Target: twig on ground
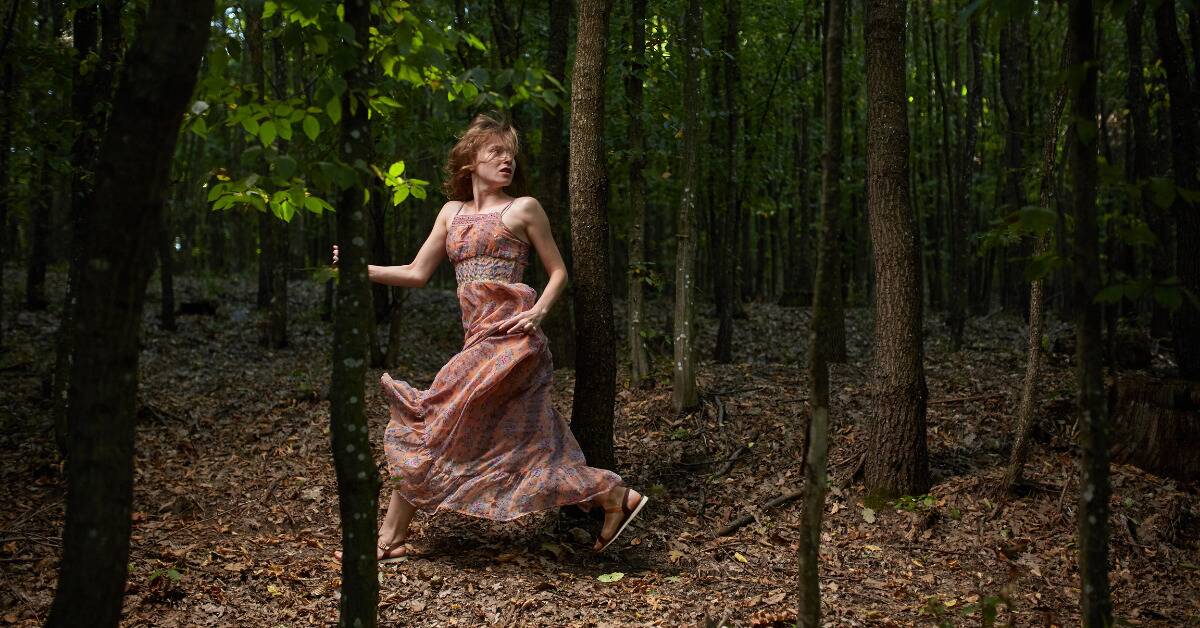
{"points": [[983, 397], [745, 519]]}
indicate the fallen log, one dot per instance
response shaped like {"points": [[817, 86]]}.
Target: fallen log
{"points": [[744, 519]]}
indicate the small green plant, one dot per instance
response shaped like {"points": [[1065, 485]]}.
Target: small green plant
{"points": [[914, 503], [680, 433]]}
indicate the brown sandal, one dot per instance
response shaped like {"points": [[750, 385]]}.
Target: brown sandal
{"points": [[630, 513]]}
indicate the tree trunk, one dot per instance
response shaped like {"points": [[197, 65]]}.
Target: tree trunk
{"points": [[1014, 49], [957, 316], [559, 324], [159, 74], [1037, 291], [723, 232], [1184, 135], [357, 479], [897, 459], [595, 379], [166, 274], [639, 361], [1092, 516], [809, 592], [1156, 426], [684, 395]]}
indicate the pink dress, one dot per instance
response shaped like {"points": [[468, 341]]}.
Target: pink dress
{"points": [[484, 439]]}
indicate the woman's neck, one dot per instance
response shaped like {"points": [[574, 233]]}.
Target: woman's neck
{"points": [[485, 196]]}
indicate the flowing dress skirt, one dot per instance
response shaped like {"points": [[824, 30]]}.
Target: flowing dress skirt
{"points": [[484, 440]]}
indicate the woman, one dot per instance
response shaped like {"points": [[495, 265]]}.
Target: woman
{"points": [[484, 439]]}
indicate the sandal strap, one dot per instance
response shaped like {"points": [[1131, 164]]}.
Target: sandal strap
{"points": [[623, 508]]}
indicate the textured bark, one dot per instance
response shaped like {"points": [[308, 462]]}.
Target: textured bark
{"points": [[131, 180], [809, 592], [639, 361], [552, 185], [595, 378], [897, 460], [357, 479], [723, 232], [1037, 291], [1184, 135], [1156, 426], [1094, 602], [6, 134], [684, 395], [957, 316]]}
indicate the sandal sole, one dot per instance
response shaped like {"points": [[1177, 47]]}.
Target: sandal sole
{"points": [[633, 515]]}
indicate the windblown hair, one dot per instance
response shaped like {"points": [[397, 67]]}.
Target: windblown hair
{"points": [[482, 129]]}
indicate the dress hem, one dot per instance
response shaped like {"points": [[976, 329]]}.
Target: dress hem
{"points": [[440, 508]]}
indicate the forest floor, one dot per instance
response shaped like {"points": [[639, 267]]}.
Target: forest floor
{"points": [[236, 518]]}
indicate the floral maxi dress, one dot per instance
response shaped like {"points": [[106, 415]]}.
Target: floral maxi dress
{"points": [[484, 439]]}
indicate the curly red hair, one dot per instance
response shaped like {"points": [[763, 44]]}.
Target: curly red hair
{"points": [[484, 128]]}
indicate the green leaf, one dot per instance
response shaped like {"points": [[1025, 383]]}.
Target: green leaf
{"points": [[1162, 191], [269, 9], [610, 577], [396, 169], [200, 127], [285, 129], [250, 124], [266, 133], [312, 128], [313, 204], [333, 109]]}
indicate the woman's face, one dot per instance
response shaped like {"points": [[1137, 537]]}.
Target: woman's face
{"points": [[494, 163]]}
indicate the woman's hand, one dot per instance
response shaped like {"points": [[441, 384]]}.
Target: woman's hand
{"points": [[527, 322], [335, 256]]}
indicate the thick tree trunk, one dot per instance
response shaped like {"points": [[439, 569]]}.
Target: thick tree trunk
{"points": [[639, 361], [1185, 132], [684, 395], [809, 593], [158, 76], [723, 233], [897, 460], [1156, 426], [595, 379], [1037, 291], [6, 134], [552, 184], [1094, 491], [357, 479]]}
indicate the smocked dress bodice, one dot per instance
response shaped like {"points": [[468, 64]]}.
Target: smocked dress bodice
{"points": [[483, 248]]}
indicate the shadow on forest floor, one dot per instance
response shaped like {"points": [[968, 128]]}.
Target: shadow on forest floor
{"points": [[236, 518]]}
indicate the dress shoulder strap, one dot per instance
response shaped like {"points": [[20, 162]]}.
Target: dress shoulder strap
{"points": [[460, 206], [506, 208]]}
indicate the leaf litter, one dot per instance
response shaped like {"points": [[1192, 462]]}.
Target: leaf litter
{"points": [[235, 506]]}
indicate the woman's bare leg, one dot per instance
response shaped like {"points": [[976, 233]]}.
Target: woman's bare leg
{"points": [[394, 529], [395, 522]]}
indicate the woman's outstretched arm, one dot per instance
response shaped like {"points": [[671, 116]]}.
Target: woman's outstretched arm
{"points": [[417, 273]]}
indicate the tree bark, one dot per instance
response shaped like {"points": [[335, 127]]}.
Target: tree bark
{"points": [[552, 184], [1037, 291], [1156, 426], [1092, 517], [809, 593], [1184, 134], [166, 274], [897, 459], [684, 395], [639, 361], [131, 180], [595, 379], [723, 235], [357, 479], [957, 316]]}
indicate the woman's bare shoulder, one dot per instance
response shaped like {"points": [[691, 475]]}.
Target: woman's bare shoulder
{"points": [[527, 203], [448, 210]]}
